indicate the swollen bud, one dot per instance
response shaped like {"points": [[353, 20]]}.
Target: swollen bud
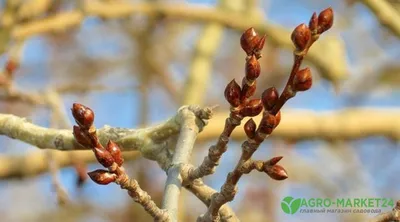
{"points": [[276, 172], [301, 35], [267, 123], [83, 115], [252, 68], [269, 98], [103, 156], [232, 93], [252, 108], [102, 177], [325, 20], [249, 40], [81, 137], [250, 128], [313, 24], [115, 151], [302, 80]]}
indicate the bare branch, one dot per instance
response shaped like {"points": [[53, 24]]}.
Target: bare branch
{"points": [[193, 121], [35, 163], [300, 125], [110, 10]]}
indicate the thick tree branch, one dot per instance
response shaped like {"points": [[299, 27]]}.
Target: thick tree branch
{"points": [[192, 122], [152, 142], [32, 164], [299, 125]]}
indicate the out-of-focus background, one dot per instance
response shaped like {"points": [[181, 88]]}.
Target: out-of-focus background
{"points": [[135, 65]]}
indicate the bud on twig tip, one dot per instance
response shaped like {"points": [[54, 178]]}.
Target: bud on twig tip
{"points": [[325, 20], [249, 40], [83, 115]]}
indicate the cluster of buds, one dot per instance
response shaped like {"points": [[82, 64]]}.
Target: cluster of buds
{"points": [[303, 36], [85, 134], [300, 80], [239, 97]]}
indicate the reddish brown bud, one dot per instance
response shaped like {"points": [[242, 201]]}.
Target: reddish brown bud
{"points": [[252, 68], [103, 156], [276, 172], [277, 119], [269, 98], [260, 45], [313, 24], [249, 40], [11, 66], [252, 108], [81, 137], [250, 128], [301, 35], [325, 20], [267, 123], [274, 160], [83, 115], [115, 151], [102, 177], [232, 93], [302, 81], [248, 90]]}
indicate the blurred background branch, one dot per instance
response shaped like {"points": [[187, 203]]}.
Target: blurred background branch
{"points": [[137, 62]]}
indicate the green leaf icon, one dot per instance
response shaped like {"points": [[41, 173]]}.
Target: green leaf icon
{"points": [[290, 205]]}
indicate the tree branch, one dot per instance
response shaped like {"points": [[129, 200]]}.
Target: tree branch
{"points": [[35, 163], [192, 121], [110, 10], [300, 125]]}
